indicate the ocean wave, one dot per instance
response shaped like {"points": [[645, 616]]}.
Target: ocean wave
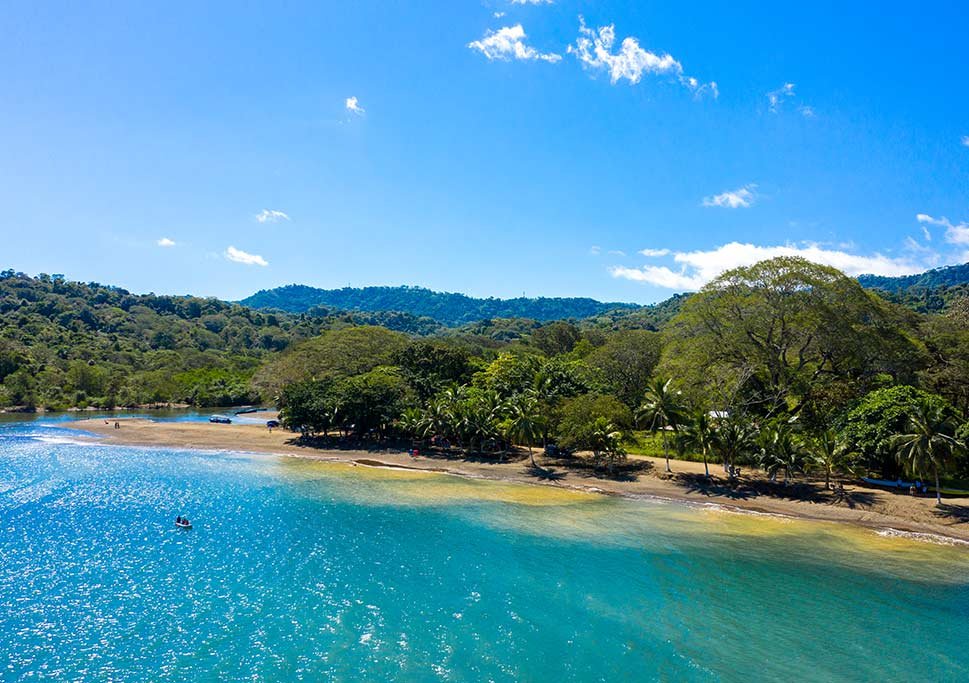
{"points": [[63, 440], [925, 537]]}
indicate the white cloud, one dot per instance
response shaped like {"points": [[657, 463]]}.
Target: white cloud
{"points": [[926, 254], [654, 253], [696, 268], [532, 2], [595, 251], [353, 105], [807, 112], [661, 276], [509, 43], [742, 198], [776, 97], [239, 256], [955, 233], [594, 48], [616, 252], [165, 242], [271, 216], [965, 141], [498, 15]]}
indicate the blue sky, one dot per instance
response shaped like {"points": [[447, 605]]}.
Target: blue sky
{"points": [[491, 147]]}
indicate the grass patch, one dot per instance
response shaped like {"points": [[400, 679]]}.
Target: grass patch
{"points": [[651, 444]]}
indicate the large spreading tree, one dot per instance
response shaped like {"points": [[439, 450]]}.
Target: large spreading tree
{"points": [[787, 336]]}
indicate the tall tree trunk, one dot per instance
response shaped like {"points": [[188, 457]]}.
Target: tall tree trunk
{"points": [[706, 468], [531, 457], [938, 489], [666, 453]]}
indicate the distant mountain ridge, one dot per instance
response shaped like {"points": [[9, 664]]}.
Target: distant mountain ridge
{"points": [[445, 307], [947, 276], [930, 291]]}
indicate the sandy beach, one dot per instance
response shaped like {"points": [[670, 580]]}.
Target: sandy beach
{"points": [[870, 507]]}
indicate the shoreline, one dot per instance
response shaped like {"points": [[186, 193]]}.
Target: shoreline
{"points": [[875, 509]]}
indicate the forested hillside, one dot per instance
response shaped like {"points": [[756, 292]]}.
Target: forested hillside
{"points": [[447, 308], [947, 276], [70, 344], [932, 291]]}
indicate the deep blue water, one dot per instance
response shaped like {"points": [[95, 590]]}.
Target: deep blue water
{"points": [[302, 571]]}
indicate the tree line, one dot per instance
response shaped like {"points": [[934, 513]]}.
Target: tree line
{"points": [[785, 365]]}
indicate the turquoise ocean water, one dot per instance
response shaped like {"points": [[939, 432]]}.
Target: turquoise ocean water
{"points": [[303, 571]]}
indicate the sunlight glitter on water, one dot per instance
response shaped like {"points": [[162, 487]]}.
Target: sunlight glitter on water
{"points": [[301, 570]]}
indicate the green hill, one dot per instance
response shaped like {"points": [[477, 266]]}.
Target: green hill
{"points": [[947, 276], [66, 343], [933, 291], [448, 308]]}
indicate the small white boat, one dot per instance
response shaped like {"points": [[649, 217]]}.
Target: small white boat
{"points": [[184, 524], [221, 419]]}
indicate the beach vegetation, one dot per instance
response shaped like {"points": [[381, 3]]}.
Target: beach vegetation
{"points": [[929, 443], [785, 365]]}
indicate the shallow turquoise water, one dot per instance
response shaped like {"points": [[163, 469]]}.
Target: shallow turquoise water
{"points": [[301, 571]]}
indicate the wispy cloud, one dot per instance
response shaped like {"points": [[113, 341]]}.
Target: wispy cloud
{"points": [[693, 269], [955, 233], [776, 97], [742, 198], [594, 48], [532, 2], [595, 250], [654, 253], [239, 256], [353, 105], [271, 216], [498, 15], [509, 43], [965, 141], [165, 242]]}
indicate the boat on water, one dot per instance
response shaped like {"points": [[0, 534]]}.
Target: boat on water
{"points": [[247, 409], [221, 419], [183, 525]]}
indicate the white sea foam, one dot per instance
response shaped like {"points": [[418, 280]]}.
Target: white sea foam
{"points": [[64, 440], [938, 539]]}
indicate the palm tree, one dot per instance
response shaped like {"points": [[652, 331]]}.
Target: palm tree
{"points": [[663, 411], [524, 422], [780, 448], [732, 438], [700, 434], [413, 421], [606, 443], [826, 452], [930, 443]]}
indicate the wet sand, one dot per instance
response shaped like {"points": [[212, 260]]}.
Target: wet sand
{"points": [[870, 507]]}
